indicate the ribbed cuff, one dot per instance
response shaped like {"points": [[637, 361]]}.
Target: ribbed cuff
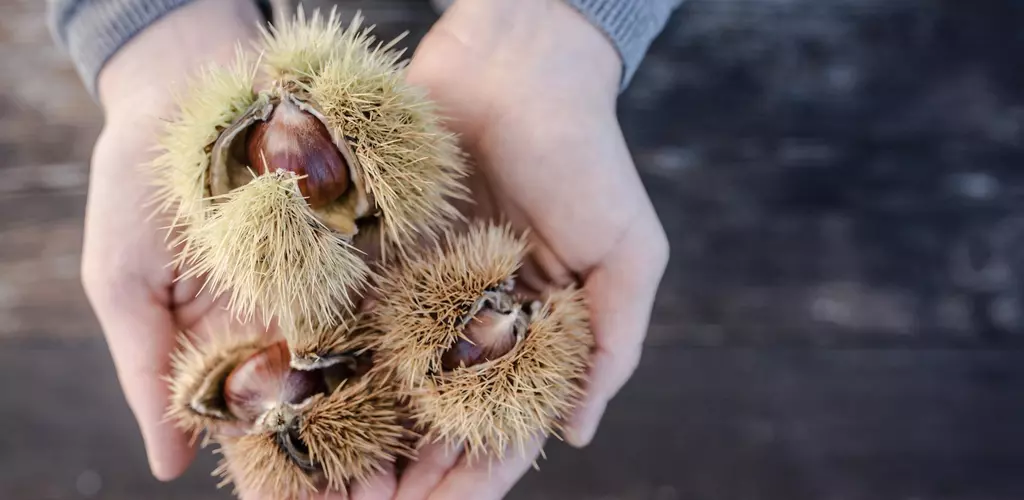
{"points": [[91, 31], [630, 24]]}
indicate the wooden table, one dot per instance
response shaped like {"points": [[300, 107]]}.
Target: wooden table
{"points": [[841, 320]]}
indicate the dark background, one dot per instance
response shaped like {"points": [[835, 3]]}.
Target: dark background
{"points": [[842, 318]]}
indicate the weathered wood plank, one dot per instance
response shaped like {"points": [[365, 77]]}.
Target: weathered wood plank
{"points": [[40, 253], [840, 181], [741, 424], [835, 172], [822, 205]]}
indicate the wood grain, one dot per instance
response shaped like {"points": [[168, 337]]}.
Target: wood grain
{"points": [[842, 318]]}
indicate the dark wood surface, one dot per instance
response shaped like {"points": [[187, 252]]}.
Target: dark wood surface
{"points": [[842, 319]]}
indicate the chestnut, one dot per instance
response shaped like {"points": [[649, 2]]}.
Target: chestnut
{"points": [[485, 363], [266, 381], [295, 140], [491, 332]]}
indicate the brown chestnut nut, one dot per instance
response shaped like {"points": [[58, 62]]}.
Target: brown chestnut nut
{"points": [[265, 381], [294, 140], [498, 323], [488, 336]]}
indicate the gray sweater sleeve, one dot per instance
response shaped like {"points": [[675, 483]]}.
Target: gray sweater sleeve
{"points": [[630, 24], [91, 31]]}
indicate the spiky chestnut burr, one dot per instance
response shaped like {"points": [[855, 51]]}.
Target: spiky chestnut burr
{"points": [[282, 132], [493, 326], [199, 369], [284, 193], [283, 431], [296, 140], [483, 365]]}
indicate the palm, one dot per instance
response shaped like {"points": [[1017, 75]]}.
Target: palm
{"points": [[556, 164], [127, 267], [550, 158]]}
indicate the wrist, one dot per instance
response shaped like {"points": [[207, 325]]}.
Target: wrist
{"points": [[527, 43], [157, 61]]}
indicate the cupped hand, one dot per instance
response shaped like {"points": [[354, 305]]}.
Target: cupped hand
{"points": [[126, 265], [530, 86]]}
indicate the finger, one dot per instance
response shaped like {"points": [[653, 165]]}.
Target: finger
{"points": [[381, 486], [486, 478], [140, 333], [433, 461], [249, 494], [327, 495], [126, 281], [620, 294], [331, 495]]}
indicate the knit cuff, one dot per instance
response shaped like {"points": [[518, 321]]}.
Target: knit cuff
{"points": [[91, 31], [630, 24]]}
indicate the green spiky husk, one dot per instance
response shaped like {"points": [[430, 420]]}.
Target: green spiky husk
{"points": [[212, 100], [262, 245], [411, 165]]}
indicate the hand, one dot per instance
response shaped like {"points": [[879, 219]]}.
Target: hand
{"points": [[531, 85], [125, 261]]}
